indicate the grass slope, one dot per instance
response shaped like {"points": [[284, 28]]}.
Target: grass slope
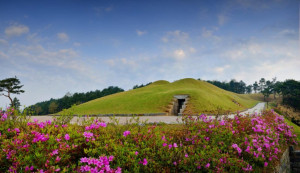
{"points": [[204, 98]]}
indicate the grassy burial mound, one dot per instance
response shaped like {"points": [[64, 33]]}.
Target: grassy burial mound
{"points": [[158, 97]]}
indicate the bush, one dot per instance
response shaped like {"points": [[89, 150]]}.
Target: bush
{"points": [[249, 143]]}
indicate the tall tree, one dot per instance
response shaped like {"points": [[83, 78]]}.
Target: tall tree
{"points": [[10, 86], [290, 90], [53, 107], [262, 83], [249, 89], [255, 86], [16, 103]]}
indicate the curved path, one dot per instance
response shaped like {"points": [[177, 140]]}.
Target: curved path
{"points": [[152, 119]]}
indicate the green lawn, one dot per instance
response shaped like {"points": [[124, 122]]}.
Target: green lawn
{"points": [[296, 128], [204, 98]]}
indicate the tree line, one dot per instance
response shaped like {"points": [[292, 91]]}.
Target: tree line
{"points": [[289, 89], [56, 105]]}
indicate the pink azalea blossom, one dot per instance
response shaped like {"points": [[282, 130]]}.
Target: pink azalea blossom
{"points": [[57, 159], [126, 133], [88, 134], [67, 137], [54, 152], [145, 162]]}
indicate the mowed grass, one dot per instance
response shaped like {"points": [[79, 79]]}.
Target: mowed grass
{"points": [[157, 97], [296, 128]]}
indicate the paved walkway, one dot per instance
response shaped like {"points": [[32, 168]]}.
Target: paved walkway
{"points": [[152, 119]]}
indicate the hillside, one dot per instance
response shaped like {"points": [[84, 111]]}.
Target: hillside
{"points": [[156, 97]]}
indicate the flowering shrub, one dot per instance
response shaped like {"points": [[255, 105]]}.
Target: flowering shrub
{"points": [[248, 143]]}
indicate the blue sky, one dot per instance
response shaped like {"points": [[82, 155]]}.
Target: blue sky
{"points": [[55, 47]]}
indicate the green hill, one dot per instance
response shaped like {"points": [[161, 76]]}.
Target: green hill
{"points": [[158, 96]]}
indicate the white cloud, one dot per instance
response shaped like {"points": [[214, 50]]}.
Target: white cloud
{"points": [[16, 30], [76, 44], [62, 58], [63, 36], [179, 54], [209, 34], [288, 33], [111, 62], [245, 51], [2, 41], [2, 55], [192, 50], [140, 33], [221, 70], [175, 36], [122, 62]]}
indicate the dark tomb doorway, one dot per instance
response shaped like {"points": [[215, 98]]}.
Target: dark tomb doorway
{"points": [[180, 103]]}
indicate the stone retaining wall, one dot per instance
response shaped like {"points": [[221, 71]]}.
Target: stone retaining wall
{"points": [[284, 166], [289, 161]]}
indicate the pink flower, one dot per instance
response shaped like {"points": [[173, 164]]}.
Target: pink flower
{"points": [[248, 149], [83, 160], [126, 133], [145, 162], [102, 124], [175, 163], [259, 149], [55, 152], [249, 168], [67, 137], [266, 164], [234, 145], [164, 144], [175, 145], [57, 159], [26, 168], [170, 146], [136, 153], [119, 170], [186, 155], [111, 158], [88, 134], [17, 130], [207, 165]]}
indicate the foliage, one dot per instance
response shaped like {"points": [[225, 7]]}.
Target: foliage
{"points": [[57, 105], [233, 86], [16, 103], [140, 86], [290, 90], [249, 143], [10, 86]]}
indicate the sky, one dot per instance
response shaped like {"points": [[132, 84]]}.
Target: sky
{"points": [[55, 47]]}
